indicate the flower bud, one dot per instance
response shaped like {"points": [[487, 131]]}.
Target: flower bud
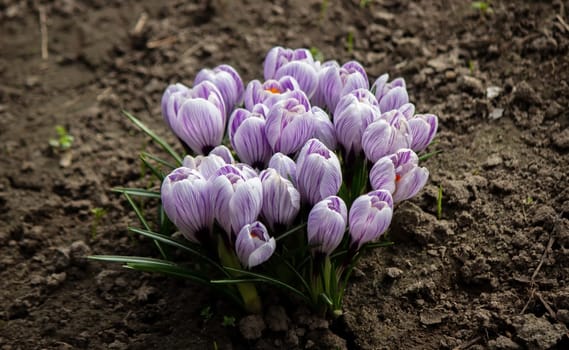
{"points": [[323, 128], [390, 95], [336, 82], [289, 125], [354, 113], [206, 165], [327, 224], [281, 200], [199, 124], [370, 216], [381, 138], [318, 172], [298, 63], [170, 106], [248, 138], [409, 178], [186, 200], [237, 199], [224, 153], [227, 80], [284, 165], [423, 129], [253, 245]]}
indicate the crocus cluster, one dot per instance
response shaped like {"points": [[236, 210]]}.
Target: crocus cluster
{"points": [[293, 140]]}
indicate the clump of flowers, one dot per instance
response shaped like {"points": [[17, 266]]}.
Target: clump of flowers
{"points": [[287, 180]]}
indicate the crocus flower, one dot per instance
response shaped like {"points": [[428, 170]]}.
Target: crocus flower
{"points": [[336, 82], [408, 179], [423, 129], [370, 216], [289, 125], [327, 224], [390, 95], [281, 200], [170, 106], [354, 113], [248, 138], [284, 165], [237, 199], [383, 137], [186, 200], [253, 245], [323, 128], [199, 124], [318, 172], [269, 92], [299, 64], [206, 165], [227, 80], [223, 152]]}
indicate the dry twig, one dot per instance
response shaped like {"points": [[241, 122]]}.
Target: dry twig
{"points": [[43, 32]]}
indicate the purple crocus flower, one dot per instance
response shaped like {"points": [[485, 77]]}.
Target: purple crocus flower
{"points": [[269, 92], [383, 137], [208, 91], [354, 113], [206, 165], [336, 82], [281, 200], [408, 177], [227, 80], [170, 106], [423, 129], [186, 200], [327, 224], [299, 64], [324, 128], [248, 138], [318, 172], [199, 124], [391, 95], [289, 124], [237, 199], [253, 245], [370, 216], [284, 165], [223, 152]]}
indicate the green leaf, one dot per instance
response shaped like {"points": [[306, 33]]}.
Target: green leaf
{"points": [[155, 171], [158, 160], [143, 222], [295, 271], [182, 245], [165, 267], [265, 279], [379, 244], [139, 192], [155, 137], [291, 231], [326, 299], [426, 156]]}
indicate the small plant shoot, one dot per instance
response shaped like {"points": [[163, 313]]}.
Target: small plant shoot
{"points": [[284, 183]]}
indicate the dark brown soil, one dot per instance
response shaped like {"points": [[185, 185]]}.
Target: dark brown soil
{"points": [[492, 272]]}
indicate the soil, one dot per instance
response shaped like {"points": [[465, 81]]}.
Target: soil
{"points": [[488, 271]]}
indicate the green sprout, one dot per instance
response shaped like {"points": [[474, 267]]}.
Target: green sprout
{"points": [[323, 9], [350, 42], [64, 140], [471, 66], [228, 321], [529, 200], [363, 3], [98, 214], [206, 313], [317, 54], [440, 203], [482, 6]]}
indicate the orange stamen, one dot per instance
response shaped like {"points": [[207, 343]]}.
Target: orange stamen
{"points": [[273, 90], [397, 177]]}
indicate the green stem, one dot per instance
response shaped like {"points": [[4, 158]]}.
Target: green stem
{"points": [[248, 291]]}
